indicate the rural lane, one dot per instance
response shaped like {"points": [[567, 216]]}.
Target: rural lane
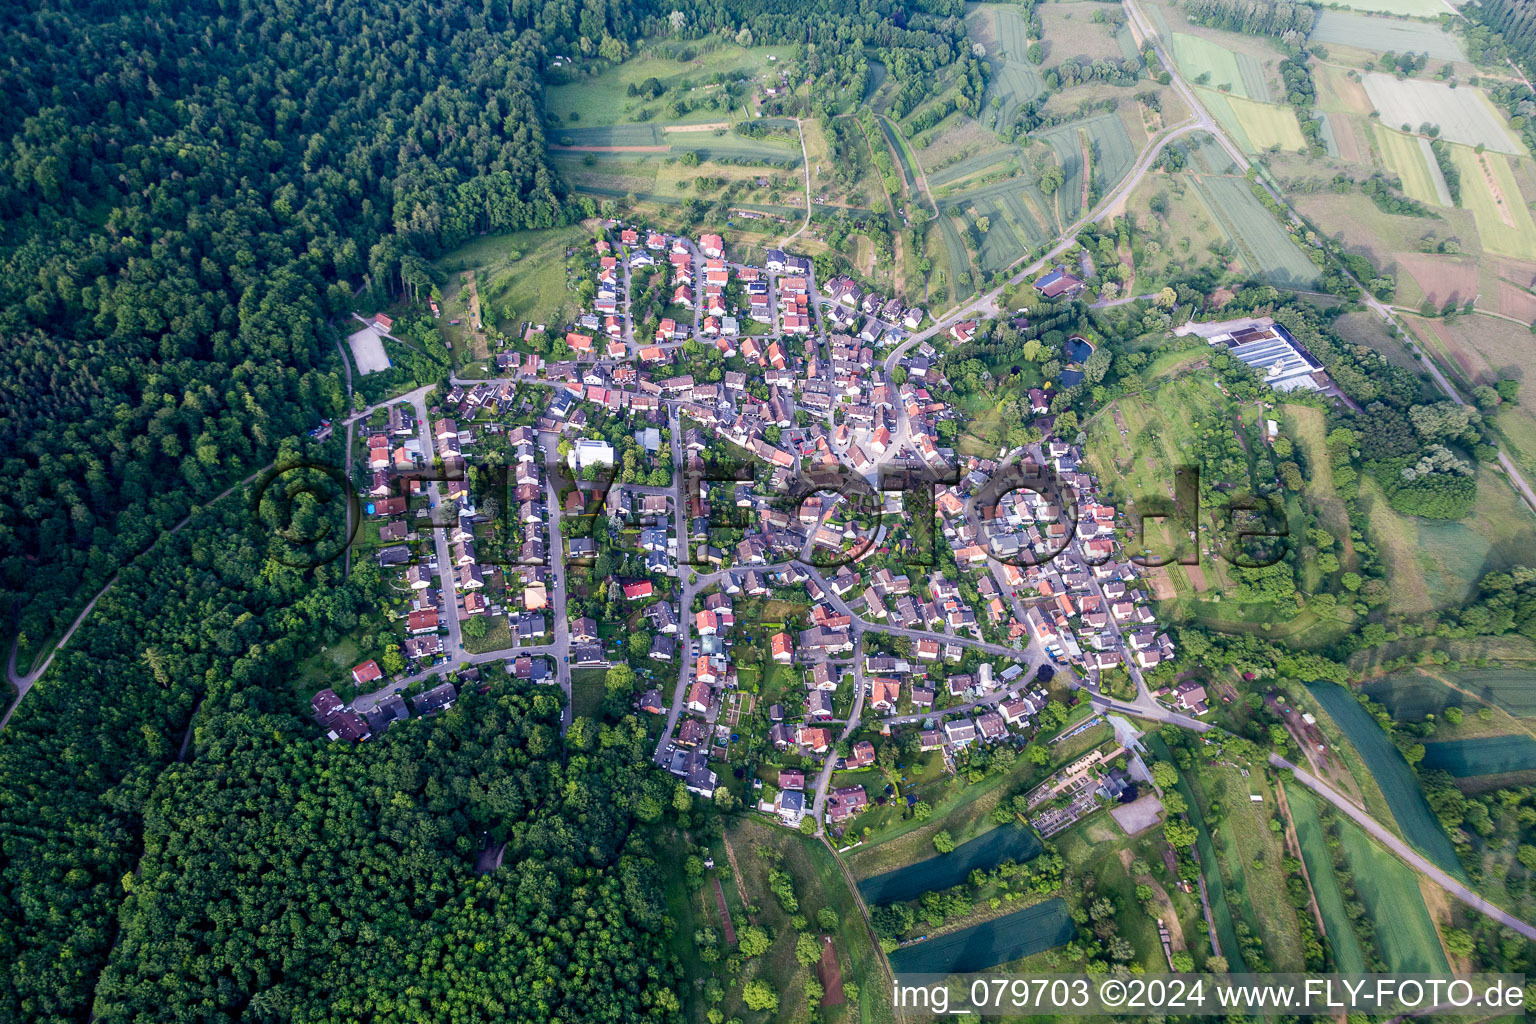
{"points": [[1405, 852]]}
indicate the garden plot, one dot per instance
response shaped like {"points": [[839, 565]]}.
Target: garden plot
{"points": [[1463, 114], [1348, 28]]}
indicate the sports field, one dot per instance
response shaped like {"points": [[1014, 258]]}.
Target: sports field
{"points": [[999, 941], [1464, 114], [1350, 28], [1241, 73], [1390, 891], [1486, 755], [1489, 190], [1264, 245], [1348, 957], [1405, 157], [1006, 842], [1399, 785]]}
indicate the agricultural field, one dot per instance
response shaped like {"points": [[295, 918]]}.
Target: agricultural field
{"points": [[1489, 190], [1401, 8], [1254, 126], [1413, 693], [1339, 89], [1435, 563], [1307, 426], [1349, 28], [1390, 891], [1072, 34], [975, 170], [1265, 247], [1398, 784], [1006, 842], [604, 98], [1267, 124], [1111, 155], [1464, 114], [1407, 157], [1015, 221], [959, 279], [1481, 350], [1001, 940], [1485, 755], [1207, 62], [1348, 957], [1014, 81]]}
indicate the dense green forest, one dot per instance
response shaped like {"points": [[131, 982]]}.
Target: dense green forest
{"points": [[287, 880], [1290, 22], [186, 196], [1514, 22], [203, 618]]}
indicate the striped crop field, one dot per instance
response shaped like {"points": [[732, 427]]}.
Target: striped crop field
{"points": [[1489, 190], [1404, 157], [1463, 114], [1349, 28], [1265, 246], [1486, 755], [1397, 781]]}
